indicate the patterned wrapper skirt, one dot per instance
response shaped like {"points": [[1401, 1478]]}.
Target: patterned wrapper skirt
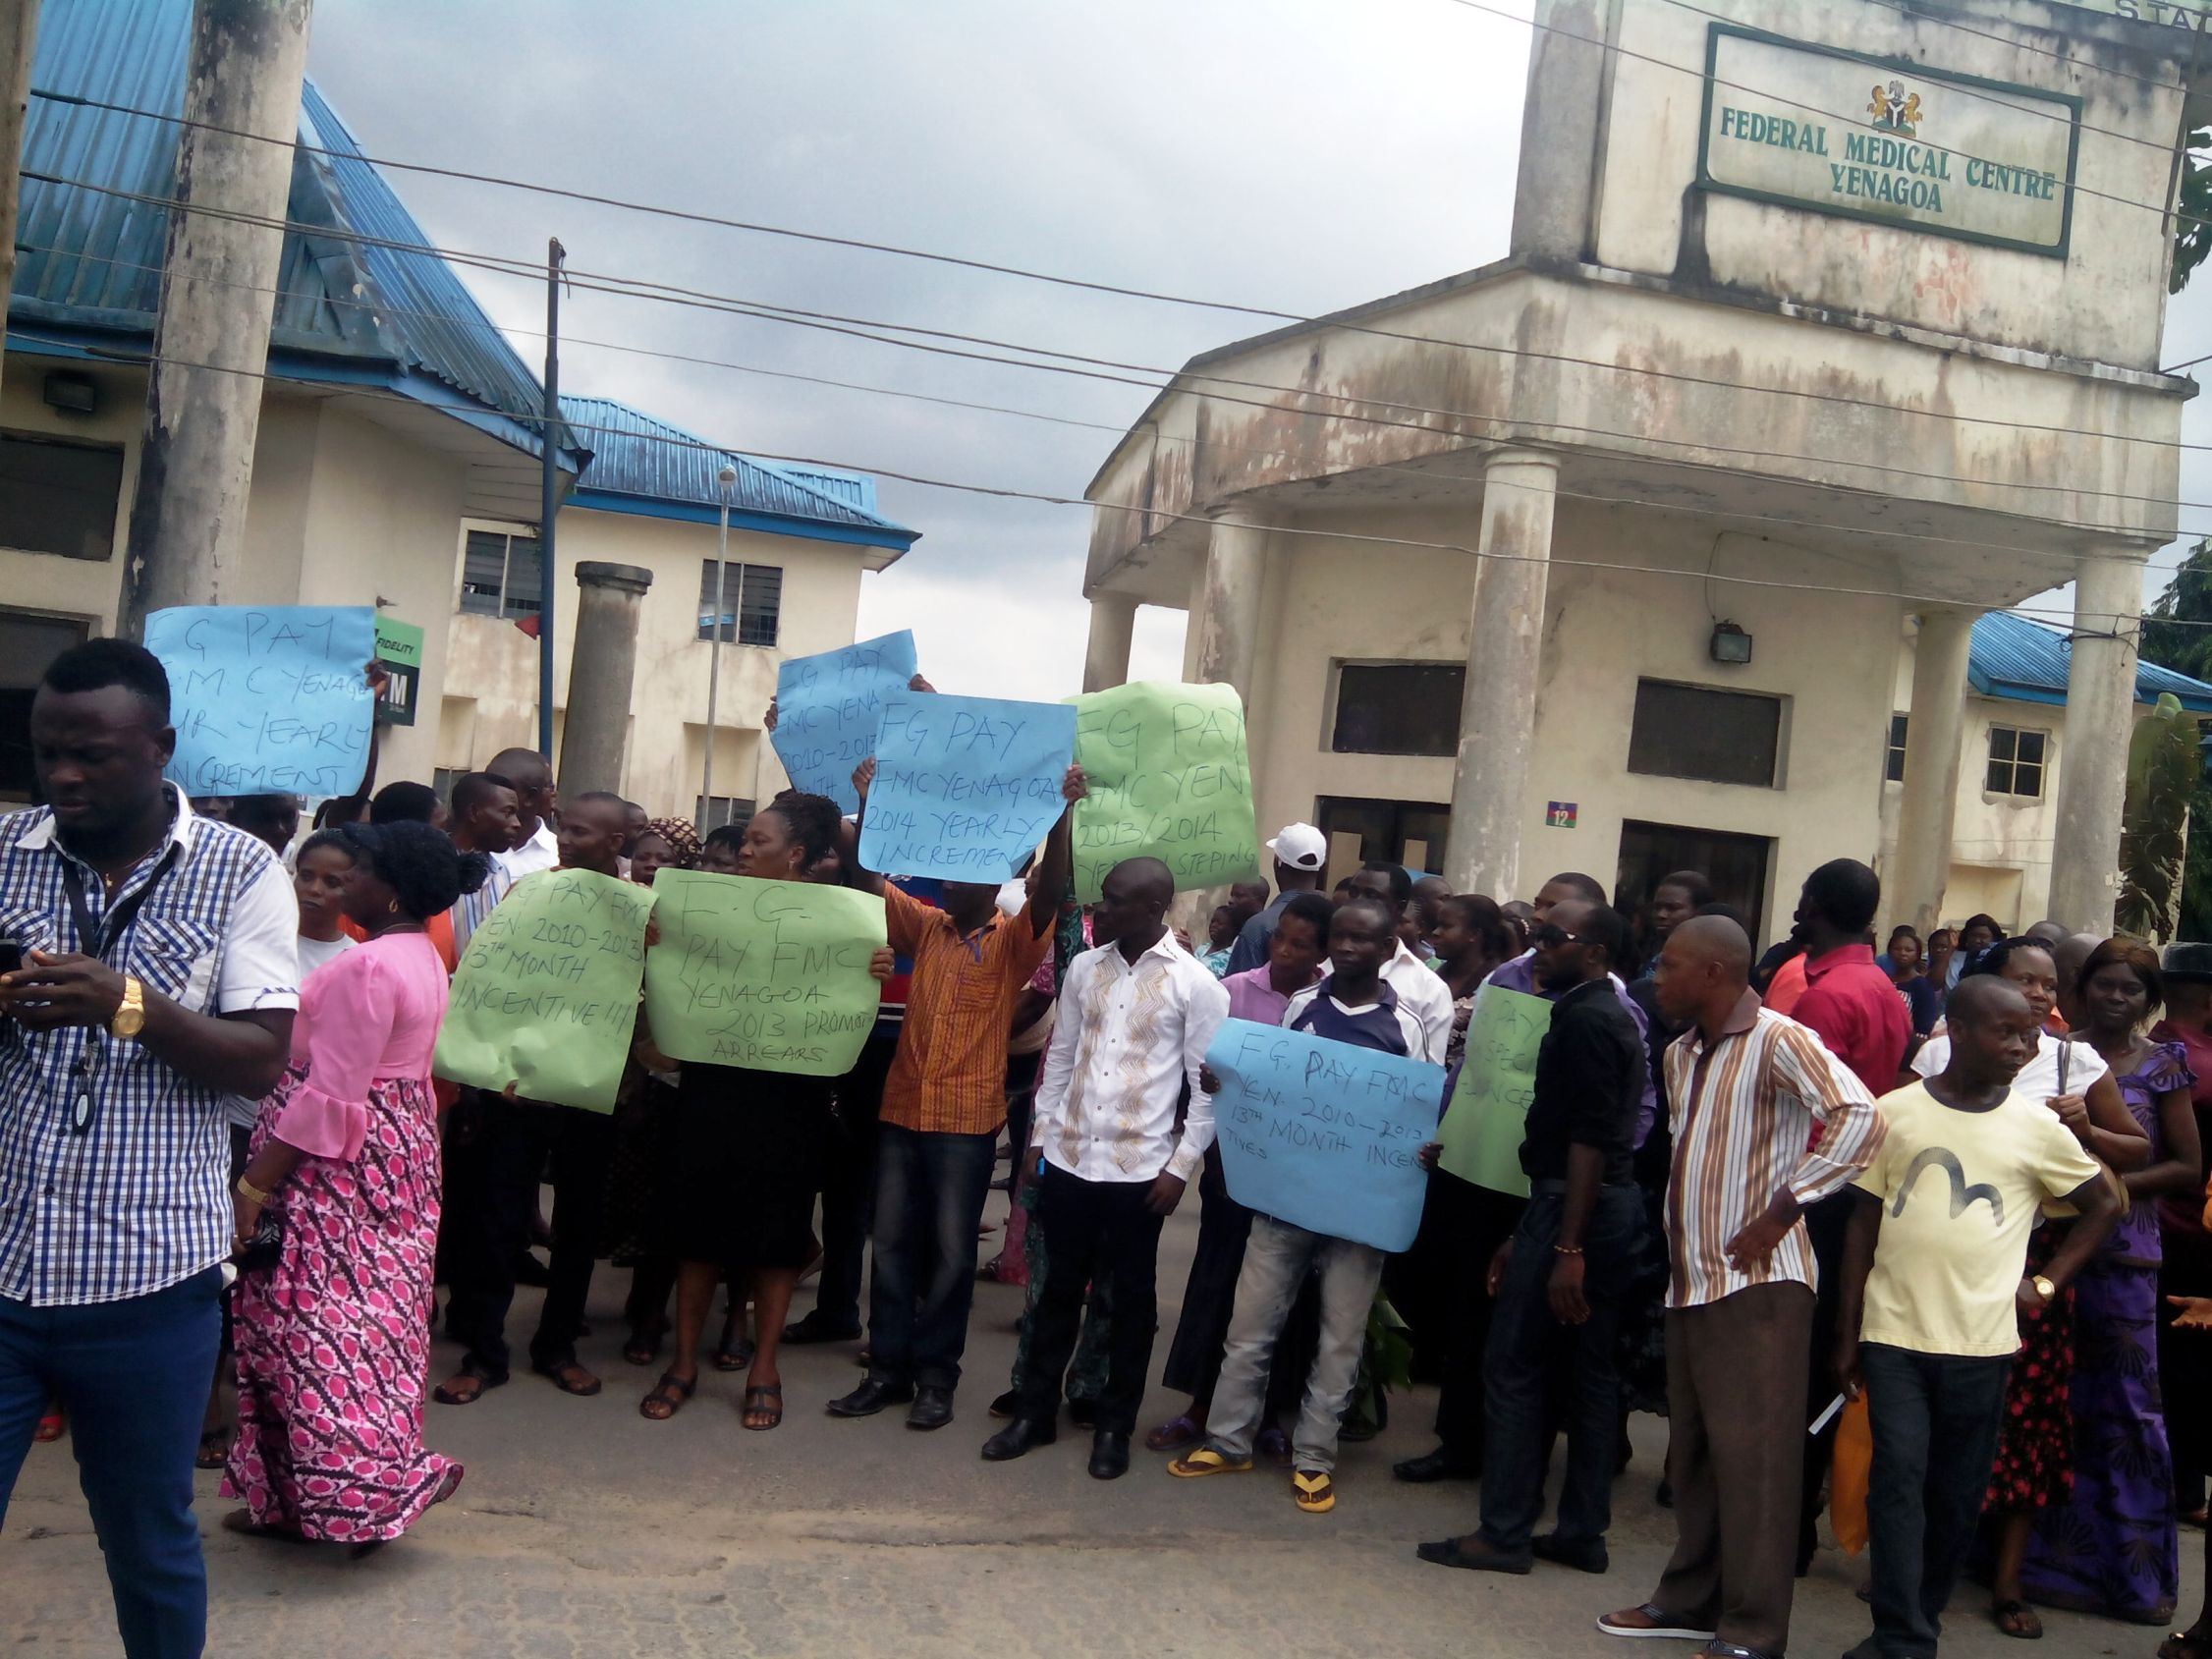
{"points": [[332, 1341], [2113, 1547], [2035, 1466]]}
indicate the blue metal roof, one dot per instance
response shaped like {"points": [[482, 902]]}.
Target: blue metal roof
{"points": [[91, 262], [643, 464], [2023, 661]]}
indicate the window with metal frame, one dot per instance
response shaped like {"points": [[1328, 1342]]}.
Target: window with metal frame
{"points": [[1893, 757], [1398, 708], [57, 497], [749, 606], [2018, 757], [501, 574], [1704, 733]]}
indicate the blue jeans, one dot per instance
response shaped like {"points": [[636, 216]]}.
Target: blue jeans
{"points": [[1536, 1370], [1936, 1420], [930, 1189], [133, 1377]]}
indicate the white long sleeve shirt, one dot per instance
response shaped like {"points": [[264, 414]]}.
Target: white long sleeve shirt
{"points": [[1126, 1037], [1422, 989]]}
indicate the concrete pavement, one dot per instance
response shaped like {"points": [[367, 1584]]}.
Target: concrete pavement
{"points": [[583, 1531]]}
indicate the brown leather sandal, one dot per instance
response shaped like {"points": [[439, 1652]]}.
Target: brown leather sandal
{"points": [[667, 1398]]}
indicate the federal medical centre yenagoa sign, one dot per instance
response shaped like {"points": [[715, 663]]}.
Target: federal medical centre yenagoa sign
{"points": [[1877, 139]]}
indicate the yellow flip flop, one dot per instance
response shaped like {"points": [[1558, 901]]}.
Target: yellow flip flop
{"points": [[1315, 1492], [1206, 1460]]}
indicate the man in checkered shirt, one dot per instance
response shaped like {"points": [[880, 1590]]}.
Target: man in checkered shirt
{"points": [[157, 977]]}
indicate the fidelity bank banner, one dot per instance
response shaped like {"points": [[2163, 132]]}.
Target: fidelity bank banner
{"points": [[1804, 126]]}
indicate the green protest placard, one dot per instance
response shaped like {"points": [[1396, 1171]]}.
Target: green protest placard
{"points": [[546, 993], [1486, 1119], [770, 974], [1169, 779]]}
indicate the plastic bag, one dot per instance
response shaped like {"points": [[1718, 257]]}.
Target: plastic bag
{"points": [[1846, 1490]]}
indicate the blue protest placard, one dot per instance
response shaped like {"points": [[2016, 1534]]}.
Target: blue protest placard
{"points": [[965, 788], [1323, 1134], [267, 698], [828, 707]]}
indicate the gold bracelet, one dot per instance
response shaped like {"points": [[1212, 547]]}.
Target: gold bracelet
{"points": [[251, 1193]]}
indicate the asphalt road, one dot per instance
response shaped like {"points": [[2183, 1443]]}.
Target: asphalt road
{"points": [[583, 1530]]}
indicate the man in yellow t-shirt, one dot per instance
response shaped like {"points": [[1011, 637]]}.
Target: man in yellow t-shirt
{"points": [[1932, 1280]]}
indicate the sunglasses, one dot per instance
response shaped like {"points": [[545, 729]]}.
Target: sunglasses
{"points": [[1545, 936]]}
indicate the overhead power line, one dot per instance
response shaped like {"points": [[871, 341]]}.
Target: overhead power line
{"points": [[1093, 367], [1006, 492]]}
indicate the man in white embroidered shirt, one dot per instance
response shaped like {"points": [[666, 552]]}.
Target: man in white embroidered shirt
{"points": [[1135, 1018], [157, 975], [1767, 1122]]}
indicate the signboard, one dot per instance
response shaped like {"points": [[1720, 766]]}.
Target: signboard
{"points": [[399, 647], [1561, 815], [266, 700], [1896, 142], [1323, 1134], [546, 994], [769, 975], [964, 787], [1487, 1117], [1170, 780], [828, 707], [2163, 13]]}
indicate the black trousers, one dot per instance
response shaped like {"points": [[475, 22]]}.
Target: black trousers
{"points": [[515, 1144], [1093, 1230], [848, 1184], [1825, 1224], [1477, 1221], [1935, 1418]]}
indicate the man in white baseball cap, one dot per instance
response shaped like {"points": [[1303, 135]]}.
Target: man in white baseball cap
{"points": [[1301, 854]]}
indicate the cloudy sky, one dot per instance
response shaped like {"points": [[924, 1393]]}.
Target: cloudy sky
{"points": [[1301, 154], [1298, 154]]}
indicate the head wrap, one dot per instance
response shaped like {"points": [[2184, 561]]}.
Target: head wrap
{"points": [[682, 840]]}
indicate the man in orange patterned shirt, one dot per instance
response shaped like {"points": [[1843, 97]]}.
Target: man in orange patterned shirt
{"points": [[943, 1106]]}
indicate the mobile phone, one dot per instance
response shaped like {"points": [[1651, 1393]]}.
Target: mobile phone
{"points": [[10, 956]]}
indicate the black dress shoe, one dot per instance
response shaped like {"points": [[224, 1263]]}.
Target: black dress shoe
{"points": [[1446, 1552], [1109, 1455], [932, 1407], [802, 1332], [1083, 1413], [870, 1397], [1436, 1465], [1017, 1438], [1584, 1555], [1003, 1406]]}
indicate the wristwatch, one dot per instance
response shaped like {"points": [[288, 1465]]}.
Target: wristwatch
{"points": [[2044, 1287], [130, 1013]]}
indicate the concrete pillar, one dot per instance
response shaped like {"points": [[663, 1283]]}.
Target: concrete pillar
{"points": [[2100, 717], [1912, 891], [1113, 616], [187, 513], [19, 42], [603, 663], [1504, 652], [1226, 622]]}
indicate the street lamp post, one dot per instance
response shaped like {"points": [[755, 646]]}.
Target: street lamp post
{"points": [[726, 477]]}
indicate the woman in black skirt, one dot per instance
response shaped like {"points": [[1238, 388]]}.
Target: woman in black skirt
{"points": [[748, 1147]]}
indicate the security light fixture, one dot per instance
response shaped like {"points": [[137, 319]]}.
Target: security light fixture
{"points": [[72, 394], [1730, 645]]}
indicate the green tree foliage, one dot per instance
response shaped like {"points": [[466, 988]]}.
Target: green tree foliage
{"points": [[2193, 222], [2163, 772], [2169, 640]]}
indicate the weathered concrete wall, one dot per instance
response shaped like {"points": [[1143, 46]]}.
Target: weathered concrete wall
{"points": [[1602, 632], [2105, 301]]}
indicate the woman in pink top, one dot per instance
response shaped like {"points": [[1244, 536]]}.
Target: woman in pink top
{"points": [[333, 1313]]}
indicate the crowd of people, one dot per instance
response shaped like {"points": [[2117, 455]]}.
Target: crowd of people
{"points": [[1960, 1186]]}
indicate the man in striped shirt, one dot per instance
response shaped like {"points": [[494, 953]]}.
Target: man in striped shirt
{"points": [[1751, 1091]]}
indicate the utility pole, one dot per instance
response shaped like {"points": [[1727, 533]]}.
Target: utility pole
{"points": [[211, 341], [726, 477], [548, 494], [18, 45]]}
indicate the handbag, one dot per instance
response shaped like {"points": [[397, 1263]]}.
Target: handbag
{"points": [[266, 1246]]}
